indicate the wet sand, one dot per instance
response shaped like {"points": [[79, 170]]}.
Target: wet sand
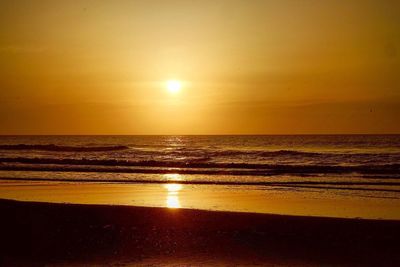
{"points": [[37, 234], [255, 199]]}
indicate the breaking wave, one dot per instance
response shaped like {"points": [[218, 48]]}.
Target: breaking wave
{"points": [[188, 167]]}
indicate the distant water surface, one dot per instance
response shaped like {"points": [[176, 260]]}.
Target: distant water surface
{"points": [[362, 163]]}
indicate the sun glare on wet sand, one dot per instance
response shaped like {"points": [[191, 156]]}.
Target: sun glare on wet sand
{"points": [[172, 200]]}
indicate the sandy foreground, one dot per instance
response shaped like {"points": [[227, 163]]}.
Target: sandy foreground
{"points": [[45, 234]]}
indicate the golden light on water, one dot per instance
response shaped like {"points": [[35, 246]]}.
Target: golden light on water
{"points": [[172, 200], [173, 177], [173, 189], [174, 86]]}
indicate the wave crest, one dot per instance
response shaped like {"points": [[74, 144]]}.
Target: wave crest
{"points": [[52, 147], [190, 167]]}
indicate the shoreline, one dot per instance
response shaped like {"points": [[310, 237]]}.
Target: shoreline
{"points": [[266, 200], [177, 210], [36, 233]]}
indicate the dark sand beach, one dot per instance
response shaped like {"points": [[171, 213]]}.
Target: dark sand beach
{"points": [[38, 234]]}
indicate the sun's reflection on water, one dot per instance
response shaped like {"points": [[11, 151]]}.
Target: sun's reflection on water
{"points": [[172, 200], [173, 177]]}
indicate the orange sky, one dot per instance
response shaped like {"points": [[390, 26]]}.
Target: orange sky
{"points": [[247, 67]]}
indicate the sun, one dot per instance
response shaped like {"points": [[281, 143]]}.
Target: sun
{"points": [[174, 86]]}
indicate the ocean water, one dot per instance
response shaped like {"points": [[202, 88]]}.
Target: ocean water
{"points": [[359, 163]]}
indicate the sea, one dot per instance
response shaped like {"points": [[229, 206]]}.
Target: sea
{"points": [[368, 164]]}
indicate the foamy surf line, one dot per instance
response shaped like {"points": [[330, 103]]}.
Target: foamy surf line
{"points": [[152, 166], [305, 184]]}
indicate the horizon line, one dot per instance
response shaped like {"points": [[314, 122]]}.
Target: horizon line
{"points": [[283, 134]]}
